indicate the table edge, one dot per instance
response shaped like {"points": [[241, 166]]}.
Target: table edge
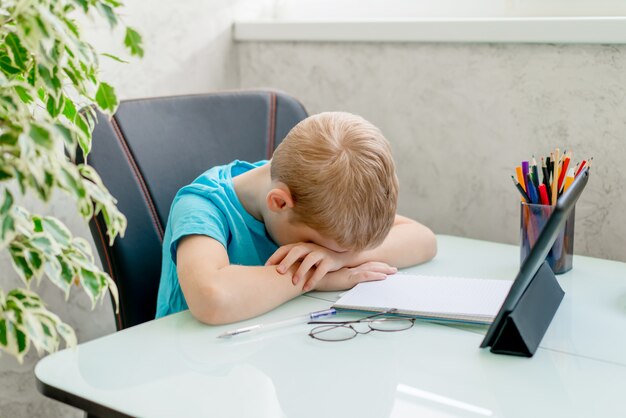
{"points": [[90, 407]]}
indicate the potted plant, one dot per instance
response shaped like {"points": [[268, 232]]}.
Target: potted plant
{"points": [[49, 86]]}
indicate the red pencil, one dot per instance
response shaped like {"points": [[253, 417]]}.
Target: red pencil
{"points": [[543, 194], [562, 172], [580, 167]]}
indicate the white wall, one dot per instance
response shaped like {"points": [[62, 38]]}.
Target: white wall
{"points": [[407, 9], [460, 117], [188, 49]]}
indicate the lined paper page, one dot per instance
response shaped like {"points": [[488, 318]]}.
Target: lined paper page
{"points": [[433, 296]]}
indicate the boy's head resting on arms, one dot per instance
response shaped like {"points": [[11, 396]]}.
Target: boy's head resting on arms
{"points": [[333, 183]]}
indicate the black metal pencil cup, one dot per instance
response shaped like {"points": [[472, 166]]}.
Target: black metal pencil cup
{"points": [[532, 220]]}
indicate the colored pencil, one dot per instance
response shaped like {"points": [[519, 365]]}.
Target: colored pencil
{"points": [[555, 178], [532, 191], [520, 177], [535, 172], [563, 171], [519, 187], [525, 174], [543, 195]]}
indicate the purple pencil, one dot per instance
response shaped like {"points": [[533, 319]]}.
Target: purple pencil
{"points": [[525, 172]]}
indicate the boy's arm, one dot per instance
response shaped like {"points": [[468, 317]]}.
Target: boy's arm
{"points": [[408, 243], [218, 292]]}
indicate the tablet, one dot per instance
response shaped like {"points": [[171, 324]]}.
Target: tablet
{"points": [[538, 254]]}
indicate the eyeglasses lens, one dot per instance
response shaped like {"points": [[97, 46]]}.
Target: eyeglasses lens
{"points": [[332, 333], [391, 324]]}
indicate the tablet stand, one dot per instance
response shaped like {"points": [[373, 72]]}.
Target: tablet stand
{"points": [[524, 327]]}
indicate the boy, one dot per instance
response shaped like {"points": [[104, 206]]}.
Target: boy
{"points": [[321, 215]]}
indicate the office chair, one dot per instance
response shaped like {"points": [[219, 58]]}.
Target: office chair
{"points": [[153, 147]]}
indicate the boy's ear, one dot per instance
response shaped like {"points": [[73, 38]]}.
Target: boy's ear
{"points": [[279, 199]]}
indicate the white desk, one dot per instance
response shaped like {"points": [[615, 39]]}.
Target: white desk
{"points": [[175, 366]]}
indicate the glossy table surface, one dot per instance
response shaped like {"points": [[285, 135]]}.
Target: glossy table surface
{"points": [[175, 366]]}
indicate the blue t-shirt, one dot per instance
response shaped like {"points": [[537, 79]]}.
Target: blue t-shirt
{"points": [[209, 206]]}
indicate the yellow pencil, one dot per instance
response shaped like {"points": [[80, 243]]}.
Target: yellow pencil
{"points": [[568, 180], [520, 177]]}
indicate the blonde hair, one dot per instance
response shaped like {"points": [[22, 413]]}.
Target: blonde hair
{"points": [[342, 177]]}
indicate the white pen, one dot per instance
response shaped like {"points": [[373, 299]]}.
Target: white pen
{"points": [[279, 324]]}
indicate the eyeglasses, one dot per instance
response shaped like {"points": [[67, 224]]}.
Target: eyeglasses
{"points": [[346, 330]]}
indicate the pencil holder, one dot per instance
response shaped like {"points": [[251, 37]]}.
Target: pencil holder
{"points": [[533, 219]]}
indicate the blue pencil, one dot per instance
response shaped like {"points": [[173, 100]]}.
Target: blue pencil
{"points": [[532, 190]]}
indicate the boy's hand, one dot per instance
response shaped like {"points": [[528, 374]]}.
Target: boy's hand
{"points": [[348, 277], [311, 256]]}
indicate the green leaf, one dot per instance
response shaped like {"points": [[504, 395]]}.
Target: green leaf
{"points": [[70, 142], [20, 264], [12, 339], [46, 75], [44, 244], [4, 340], [49, 77], [5, 173], [71, 183], [88, 71], [52, 107], [21, 180], [7, 202], [20, 54], [82, 245], [23, 94], [47, 329], [58, 231], [35, 323], [72, 76], [114, 58], [107, 12], [67, 270], [114, 292], [69, 110], [35, 262], [113, 3], [67, 333], [60, 273], [9, 104], [86, 208], [41, 136], [84, 141], [106, 99], [7, 67], [82, 124], [78, 73], [55, 52], [80, 259], [22, 342], [8, 139], [133, 42], [37, 223], [71, 26], [91, 283], [32, 76], [42, 26], [84, 4], [8, 230]]}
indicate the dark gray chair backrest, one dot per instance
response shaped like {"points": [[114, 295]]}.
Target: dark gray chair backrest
{"points": [[153, 147]]}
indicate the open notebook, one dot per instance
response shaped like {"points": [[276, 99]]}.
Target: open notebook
{"points": [[435, 297]]}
